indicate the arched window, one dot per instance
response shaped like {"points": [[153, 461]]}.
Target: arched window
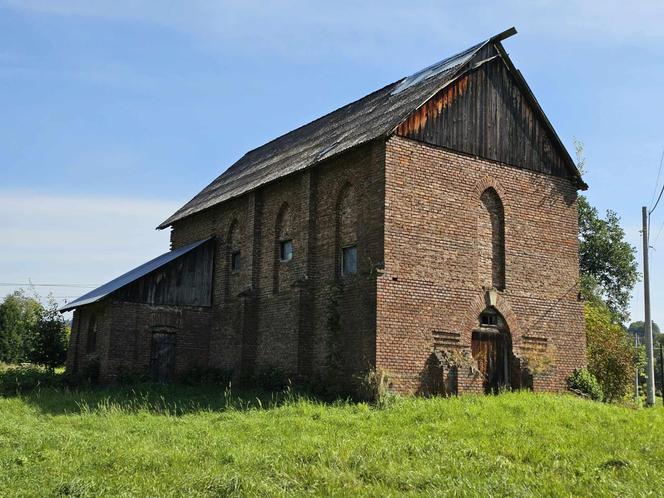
{"points": [[91, 345], [283, 243], [346, 239], [491, 240]]}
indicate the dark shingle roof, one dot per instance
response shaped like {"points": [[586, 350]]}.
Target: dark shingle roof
{"points": [[364, 120]]}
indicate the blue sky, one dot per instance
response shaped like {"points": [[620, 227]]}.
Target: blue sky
{"points": [[114, 113]]}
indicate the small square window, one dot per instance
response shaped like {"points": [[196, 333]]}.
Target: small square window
{"points": [[236, 261], [349, 260], [489, 319], [285, 250]]}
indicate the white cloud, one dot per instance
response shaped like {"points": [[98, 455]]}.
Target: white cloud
{"points": [[75, 239]]}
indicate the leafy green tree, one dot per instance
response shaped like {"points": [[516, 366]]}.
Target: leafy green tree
{"points": [[639, 329], [611, 355], [607, 261], [49, 341], [18, 317], [658, 341]]}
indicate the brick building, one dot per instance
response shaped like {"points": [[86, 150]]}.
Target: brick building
{"points": [[428, 230]]}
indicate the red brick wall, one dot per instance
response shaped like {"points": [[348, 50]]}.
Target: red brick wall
{"points": [[431, 286]]}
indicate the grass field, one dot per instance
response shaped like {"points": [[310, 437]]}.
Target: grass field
{"points": [[194, 441]]}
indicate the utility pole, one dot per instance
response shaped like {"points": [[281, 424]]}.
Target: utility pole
{"points": [[650, 367], [636, 377]]}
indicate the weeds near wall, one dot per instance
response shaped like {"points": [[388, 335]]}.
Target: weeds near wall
{"points": [[374, 387], [334, 360]]}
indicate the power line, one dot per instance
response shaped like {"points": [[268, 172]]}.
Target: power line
{"points": [[662, 190], [659, 232], [659, 171]]}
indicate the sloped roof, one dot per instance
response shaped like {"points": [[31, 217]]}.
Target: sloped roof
{"points": [[140, 271], [369, 118], [364, 120]]}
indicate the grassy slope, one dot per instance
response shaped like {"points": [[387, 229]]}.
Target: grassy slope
{"points": [[514, 444]]}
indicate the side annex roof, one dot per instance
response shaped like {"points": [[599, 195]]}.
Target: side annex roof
{"points": [[131, 276]]}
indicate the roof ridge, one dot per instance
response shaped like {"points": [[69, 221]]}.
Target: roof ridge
{"points": [[348, 126]]}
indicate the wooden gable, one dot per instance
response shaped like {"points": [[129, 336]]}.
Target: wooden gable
{"points": [[489, 111]]}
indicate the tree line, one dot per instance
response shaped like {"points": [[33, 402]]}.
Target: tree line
{"points": [[31, 332]]}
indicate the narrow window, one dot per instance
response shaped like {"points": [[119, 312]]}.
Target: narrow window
{"points": [[285, 250], [349, 260], [91, 345], [236, 261], [488, 319], [491, 238]]}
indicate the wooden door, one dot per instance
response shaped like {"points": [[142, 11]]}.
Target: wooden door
{"points": [[491, 352], [162, 361]]}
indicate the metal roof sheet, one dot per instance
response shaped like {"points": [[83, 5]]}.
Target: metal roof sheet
{"points": [[371, 117], [131, 276]]}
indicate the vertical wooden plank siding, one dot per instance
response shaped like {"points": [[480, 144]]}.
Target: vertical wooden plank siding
{"points": [[485, 113]]}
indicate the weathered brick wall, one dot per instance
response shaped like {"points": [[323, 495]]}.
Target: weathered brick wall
{"points": [[79, 355], [413, 208], [274, 314], [130, 338], [432, 288]]}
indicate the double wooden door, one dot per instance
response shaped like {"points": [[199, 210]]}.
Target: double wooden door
{"points": [[492, 351]]}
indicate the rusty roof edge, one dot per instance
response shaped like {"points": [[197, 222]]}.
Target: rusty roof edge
{"points": [[462, 69]]}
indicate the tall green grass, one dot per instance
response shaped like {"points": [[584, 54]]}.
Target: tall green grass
{"points": [[203, 441]]}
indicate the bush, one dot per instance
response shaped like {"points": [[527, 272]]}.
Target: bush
{"points": [[586, 383], [48, 344], [26, 378], [610, 352], [374, 387]]}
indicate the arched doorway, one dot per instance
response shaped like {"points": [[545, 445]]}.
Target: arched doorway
{"points": [[492, 350]]}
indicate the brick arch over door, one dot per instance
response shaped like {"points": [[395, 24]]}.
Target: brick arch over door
{"points": [[478, 305]]}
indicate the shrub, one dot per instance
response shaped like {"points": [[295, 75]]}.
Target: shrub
{"points": [[48, 344], [610, 353], [374, 387], [18, 317], [586, 383]]}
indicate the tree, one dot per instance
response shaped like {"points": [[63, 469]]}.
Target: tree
{"points": [[49, 341], [639, 329], [607, 261], [659, 344], [611, 355], [18, 317]]}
